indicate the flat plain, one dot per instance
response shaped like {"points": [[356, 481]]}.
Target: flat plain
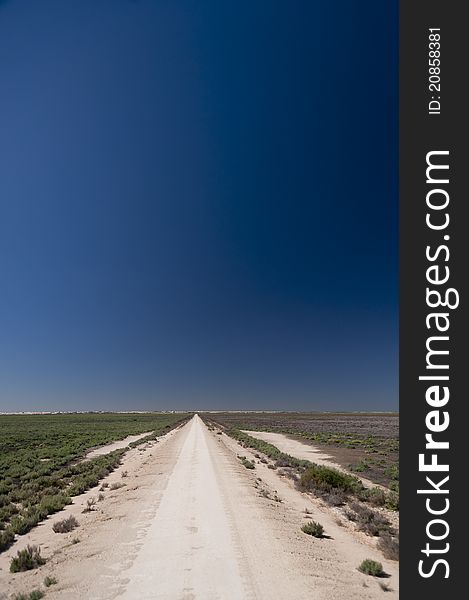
{"points": [[366, 443], [196, 509]]}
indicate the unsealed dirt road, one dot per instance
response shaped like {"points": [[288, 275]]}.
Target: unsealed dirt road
{"points": [[192, 523], [190, 549]]}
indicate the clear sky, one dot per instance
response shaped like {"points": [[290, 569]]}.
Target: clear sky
{"points": [[198, 204]]}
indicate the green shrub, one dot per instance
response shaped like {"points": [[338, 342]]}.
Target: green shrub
{"points": [[21, 525], [375, 496], [283, 460], [7, 538], [362, 466], [379, 497], [66, 525], [313, 528], [27, 559], [392, 501], [53, 504], [48, 581], [318, 477], [34, 595], [371, 567], [393, 472], [7, 511], [248, 464], [82, 484]]}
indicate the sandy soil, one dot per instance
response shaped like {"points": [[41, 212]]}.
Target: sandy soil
{"points": [[304, 451], [294, 447], [115, 445], [192, 523]]}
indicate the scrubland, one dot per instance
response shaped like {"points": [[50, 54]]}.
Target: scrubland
{"points": [[197, 509]]}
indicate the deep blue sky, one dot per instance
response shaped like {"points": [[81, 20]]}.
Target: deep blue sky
{"points": [[198, 204]]}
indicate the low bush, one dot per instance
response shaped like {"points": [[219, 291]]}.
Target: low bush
{"points": [[53, 504], [371, 567], [7, 511], [48, 581], [374, 496], [27, 559], [21, 525], [334, 498], [379, 497], [369, 521], [313, 528], [333, 486], [116, 485], [318, 477], [89, 505], [389, 546], [282, 459], [7, 538], [392, 501], [66, 525], [34, 595], [248, 464]]}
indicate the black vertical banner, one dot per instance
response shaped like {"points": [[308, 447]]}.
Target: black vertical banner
{"points": [[434, 270]]}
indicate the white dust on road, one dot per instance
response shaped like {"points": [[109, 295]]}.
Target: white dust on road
{"points": [[189, 550]]}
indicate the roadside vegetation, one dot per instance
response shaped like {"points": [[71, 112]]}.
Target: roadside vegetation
{"points": [[313, 528], [371, 522], [65, 525], [334, 487], [324, 481], [27, 559], [371, 567], [389, 545], [367, 444], [41, 466], [34, 595], [246, 462]]}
